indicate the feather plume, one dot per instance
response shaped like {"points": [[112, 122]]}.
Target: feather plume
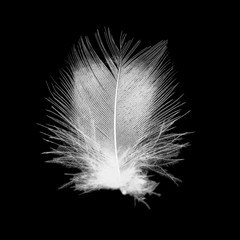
{"points": [[114, 116]]}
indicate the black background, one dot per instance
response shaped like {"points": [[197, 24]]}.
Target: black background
{"points": [[43, 38]]}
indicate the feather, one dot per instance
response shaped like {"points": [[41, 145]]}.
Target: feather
{"points": [[114, 115]]}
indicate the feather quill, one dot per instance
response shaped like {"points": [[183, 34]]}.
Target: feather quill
{"points": [[113, 116]]}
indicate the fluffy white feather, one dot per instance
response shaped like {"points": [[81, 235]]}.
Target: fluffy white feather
{"points": [[114, 116]]}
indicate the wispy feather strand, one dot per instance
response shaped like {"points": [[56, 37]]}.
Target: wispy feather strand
{"points": [[114, 116]]}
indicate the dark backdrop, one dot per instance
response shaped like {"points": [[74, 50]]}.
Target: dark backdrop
{"points": [[43, 37]]}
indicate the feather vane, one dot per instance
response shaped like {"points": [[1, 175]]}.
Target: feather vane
{"points": [[114, 115]]}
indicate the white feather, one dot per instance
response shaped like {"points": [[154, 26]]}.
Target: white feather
{"points": [[114, 115]]}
